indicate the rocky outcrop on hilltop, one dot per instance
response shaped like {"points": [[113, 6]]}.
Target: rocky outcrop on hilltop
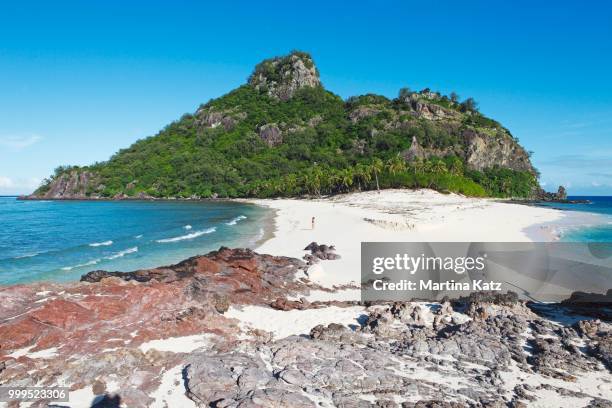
{"points": [[281, 77], [164, 337]]}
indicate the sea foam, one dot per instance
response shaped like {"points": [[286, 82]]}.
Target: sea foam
{"points": [[27, 256], [192, 235], [90, 263], [104, 243], [236, 220], [123, 253]]}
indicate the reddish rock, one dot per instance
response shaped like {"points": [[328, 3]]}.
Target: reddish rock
{"points": [[107, 316]]}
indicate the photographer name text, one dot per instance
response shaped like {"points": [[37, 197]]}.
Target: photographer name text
{"points": [[408, 285]]}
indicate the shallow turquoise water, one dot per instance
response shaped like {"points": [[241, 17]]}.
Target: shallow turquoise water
{"points": [[602, 232], [61, 240]]}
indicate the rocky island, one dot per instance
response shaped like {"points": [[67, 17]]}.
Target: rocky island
{"points": [[284, 134]]}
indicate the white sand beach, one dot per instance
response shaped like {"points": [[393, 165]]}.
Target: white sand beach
{"points": [[393, 215]]}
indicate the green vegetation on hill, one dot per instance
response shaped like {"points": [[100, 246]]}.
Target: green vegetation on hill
{"points": [[250, 143]]}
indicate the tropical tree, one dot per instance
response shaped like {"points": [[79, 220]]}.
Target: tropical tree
{"points": [[307, 181], [404, 93], [437, 167], [376, 167], [316, 179], [419, 166], [291, 182], [456, 166], [469, 105], [363, 174], [346, 178], [396, 164]]}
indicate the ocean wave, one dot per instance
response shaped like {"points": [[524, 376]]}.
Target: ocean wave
{"points": [[192, 235], [187, 227], [236, 220], [27, 256], [104, 243], [96, 261], [123, 253], [138, 236], [90, 263]]}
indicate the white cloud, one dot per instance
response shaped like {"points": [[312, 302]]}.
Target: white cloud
{"points": [[5, 182], [15, 142], [10, 185], [595, 184]]}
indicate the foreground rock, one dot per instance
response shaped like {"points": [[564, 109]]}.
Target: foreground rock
{"points": [[320, 252], [498, 353], [159, 337], [52, 332]]}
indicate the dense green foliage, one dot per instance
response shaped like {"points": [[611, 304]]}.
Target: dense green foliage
{"points": [[323, 151]]}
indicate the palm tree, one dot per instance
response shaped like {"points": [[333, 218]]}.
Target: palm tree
{"points": [[419, 166], [396, 164], [346, 178], [456, 166], [436, 167], [317, 179], [291, 183], [335, 180], [377, 166], [363, 174], [306, 181]]}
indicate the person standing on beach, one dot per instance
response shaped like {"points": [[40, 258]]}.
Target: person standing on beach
{"points": [[313, 222]]}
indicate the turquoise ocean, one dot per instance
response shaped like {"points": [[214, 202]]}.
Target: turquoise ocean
{"points": [[601, 231], [61, 240]]}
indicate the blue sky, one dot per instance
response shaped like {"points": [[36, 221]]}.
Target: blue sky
{"points": [[79, 80]]}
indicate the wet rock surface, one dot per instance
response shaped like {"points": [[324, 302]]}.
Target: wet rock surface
{"points": [[123, 335]]}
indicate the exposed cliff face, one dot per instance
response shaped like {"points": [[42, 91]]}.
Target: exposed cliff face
{"points": [[271, 135], [212, 118], [72, 185], [422, 108], [484, 151], [480, 147], [281, 77]]}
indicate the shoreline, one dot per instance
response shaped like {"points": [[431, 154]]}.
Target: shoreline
{"points": [[269, 226], [251, 310], [392, 216], [382, 217], [373, 216], [570, 221]]}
